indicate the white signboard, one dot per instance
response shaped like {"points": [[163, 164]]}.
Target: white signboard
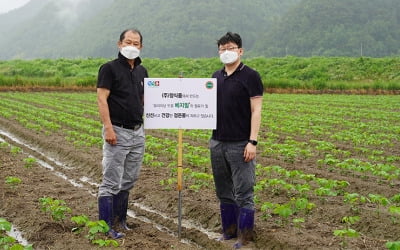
{"points": [[180, 103]]}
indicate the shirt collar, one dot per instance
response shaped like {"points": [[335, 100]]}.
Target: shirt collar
{"points": [[123, 60], [239, 68]]}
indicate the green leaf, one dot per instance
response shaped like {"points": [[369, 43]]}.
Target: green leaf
{"points": [[5, 225]]}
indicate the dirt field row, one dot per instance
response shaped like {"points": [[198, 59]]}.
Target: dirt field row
{"points": [[155, 207]]}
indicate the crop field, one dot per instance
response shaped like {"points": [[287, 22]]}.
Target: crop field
{"points": [[328, 175], [289, 74]]}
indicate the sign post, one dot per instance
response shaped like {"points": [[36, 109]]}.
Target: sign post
{"points": [[179, 178], [180, 181], [180, 103]]}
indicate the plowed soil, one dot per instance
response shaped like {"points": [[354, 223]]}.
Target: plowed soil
{"points": [[156, 208]]}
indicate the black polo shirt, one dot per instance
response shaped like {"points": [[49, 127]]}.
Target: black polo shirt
{"points": [[233, 102], [126, 90]]}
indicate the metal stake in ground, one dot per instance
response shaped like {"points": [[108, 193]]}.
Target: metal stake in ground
{"points": [[179, 181], [179, 177]]}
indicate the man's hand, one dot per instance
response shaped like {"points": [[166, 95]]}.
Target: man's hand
{"points": [[249, 152], [109, 136]]}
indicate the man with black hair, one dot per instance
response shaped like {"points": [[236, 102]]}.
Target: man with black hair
{"points": [[120, 101], [233, 142]]}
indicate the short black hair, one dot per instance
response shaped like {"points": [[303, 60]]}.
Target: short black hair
{"points": [[122, 36], [230, 37]]}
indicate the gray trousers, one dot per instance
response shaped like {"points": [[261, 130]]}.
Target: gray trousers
{"points": [[122, 162], [233, 177]]}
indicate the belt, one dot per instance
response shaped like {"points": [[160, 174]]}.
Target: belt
{"points": [[133, 127]]}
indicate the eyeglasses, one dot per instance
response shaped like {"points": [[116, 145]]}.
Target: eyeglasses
{"points": [[220, 50]]}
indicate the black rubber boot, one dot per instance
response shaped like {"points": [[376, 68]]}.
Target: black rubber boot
{"points": [[123, 197], [229, 218], [116, 210], [245, 227], [106, 214]]}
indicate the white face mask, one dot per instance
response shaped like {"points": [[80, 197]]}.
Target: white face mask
{"points": [[130, 52], [228, 57]]}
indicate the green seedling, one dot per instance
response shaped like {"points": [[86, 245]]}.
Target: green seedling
{"points": [[284, 211], [4, 225], [303, 189], [12, 181], [379, 200], [56, 208], [395, 212], [395, 198], [15, 150], [8, 242], [96, 227], [200, 180], [81, 221], [298, 221], [344, 234], [29, 162], [354, 200], [156, 164], [195, 187], [94, 230], [302, 204], [105, 243], [168, 183], [393, 245], [266, 207], [350, 220], [347, 232]]}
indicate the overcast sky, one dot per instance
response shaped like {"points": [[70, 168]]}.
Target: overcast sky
{"points": [[7, 5]]}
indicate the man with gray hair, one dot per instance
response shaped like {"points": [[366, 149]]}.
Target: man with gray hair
{"points": [[120, 102]]}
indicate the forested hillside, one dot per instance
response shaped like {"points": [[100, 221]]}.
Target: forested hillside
{"points": [[336, 28], [178, 28], [188, 28]]}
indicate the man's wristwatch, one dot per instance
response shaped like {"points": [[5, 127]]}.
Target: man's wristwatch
{"points": [[254, 142]]}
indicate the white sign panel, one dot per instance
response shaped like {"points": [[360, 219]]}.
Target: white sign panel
{"points": [[180, 103]]}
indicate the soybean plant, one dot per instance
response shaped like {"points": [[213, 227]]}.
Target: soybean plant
{"points": [[93, 229], [56, 208]]}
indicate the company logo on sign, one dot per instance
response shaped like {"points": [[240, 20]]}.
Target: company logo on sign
{"points": [[209, 85], [153, 83]]}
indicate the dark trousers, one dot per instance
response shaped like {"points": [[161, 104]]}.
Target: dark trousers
{"points": [[233, 177]]}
